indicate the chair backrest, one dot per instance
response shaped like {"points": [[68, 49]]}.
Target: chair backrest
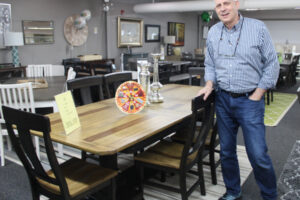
{"points": [[196, 71], [18, 96], [195, 143], [114, 80], [41, 70], [87, 89], [295, 60], [23, 145], [164, 73]]}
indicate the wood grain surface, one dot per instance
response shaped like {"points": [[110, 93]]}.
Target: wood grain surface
{"points": [[105, 130]]}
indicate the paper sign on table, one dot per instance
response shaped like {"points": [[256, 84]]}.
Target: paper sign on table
{"points": [[67, 111]]}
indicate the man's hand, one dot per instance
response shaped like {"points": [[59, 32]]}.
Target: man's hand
{"points": [[208, 88], [257, 94]]}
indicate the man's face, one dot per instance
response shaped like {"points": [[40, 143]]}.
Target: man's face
{"points": [[227, 11]]}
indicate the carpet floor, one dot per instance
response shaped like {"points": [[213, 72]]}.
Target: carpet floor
{"points": [[289, 180], [278, 108], [14, 184], [213, 192]]}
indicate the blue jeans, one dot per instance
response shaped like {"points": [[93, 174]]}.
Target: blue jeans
{"points": [[232, 113]]}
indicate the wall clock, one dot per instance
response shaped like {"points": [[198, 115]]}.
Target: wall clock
{"points": [[75, 36]]}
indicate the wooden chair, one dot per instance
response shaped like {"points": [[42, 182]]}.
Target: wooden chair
{"points": [[211, 147], [39, 70], [73, 179], [87, 89], [194, 72], [179, 158], [289, 72], [18, 96], [164, 73], [114, 80]]}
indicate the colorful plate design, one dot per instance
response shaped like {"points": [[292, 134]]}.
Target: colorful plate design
{"points": [[130, 97]]}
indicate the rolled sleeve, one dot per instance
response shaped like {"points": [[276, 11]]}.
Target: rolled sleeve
{"points": [[209, 63]]}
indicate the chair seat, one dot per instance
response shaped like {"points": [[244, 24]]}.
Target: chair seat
{"points": [[80, 176], [167, 154]]}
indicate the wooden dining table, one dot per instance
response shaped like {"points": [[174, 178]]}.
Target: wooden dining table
{"points": [[106, 131]]}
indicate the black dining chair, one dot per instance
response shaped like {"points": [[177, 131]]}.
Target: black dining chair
{"points": [[164, 73], [196, 72], [211, 147], [113, 81], [287, 74], [179, 158], [73, 179], [86, 90]]}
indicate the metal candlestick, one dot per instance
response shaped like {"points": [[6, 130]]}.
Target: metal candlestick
{"points": [[144, 79], [156, 85]]}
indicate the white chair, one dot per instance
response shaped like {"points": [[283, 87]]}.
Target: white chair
{"points": [[58, 70], [18, 96], [71, 75], [39, 70]]}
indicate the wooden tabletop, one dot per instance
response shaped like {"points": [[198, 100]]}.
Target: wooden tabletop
{"points": [[105, 130]]}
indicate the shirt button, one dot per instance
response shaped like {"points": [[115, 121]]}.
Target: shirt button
{"points": [[230, 65]]}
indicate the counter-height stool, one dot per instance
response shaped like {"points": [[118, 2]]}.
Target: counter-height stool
{"points": [[73, 179]]}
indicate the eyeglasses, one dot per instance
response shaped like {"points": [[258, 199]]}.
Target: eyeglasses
{"points": [[237, 42]]}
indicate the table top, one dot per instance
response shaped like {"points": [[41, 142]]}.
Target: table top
{"points": [[105, 130], [55, 86], [175, 63]]}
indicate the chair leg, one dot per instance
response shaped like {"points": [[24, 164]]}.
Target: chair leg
{"points": [[212, 164], [9, 146], [141, 178], [271, 95], [201, 177], [182, 182], [113, 189], [2, 150], [83, 155], [35, 194], [162, 176]]}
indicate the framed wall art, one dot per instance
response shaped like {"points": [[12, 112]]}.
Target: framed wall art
{"points": [[177, 29], [130, 32], [5, 21], [152, 33], [38, 32]]}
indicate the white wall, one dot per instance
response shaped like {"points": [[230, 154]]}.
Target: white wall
{"points": [[283, 31]]}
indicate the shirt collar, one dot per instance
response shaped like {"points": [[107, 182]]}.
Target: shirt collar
{"points": [[237, 26]]}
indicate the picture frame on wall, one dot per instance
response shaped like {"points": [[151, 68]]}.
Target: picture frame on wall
{"points": [[130, 32], [5, 22], [177, 29], [152, 33]]}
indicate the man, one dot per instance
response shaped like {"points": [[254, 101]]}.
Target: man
{"points": [[241, 64]]}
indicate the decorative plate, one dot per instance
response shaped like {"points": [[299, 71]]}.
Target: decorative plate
{"points": [[130, 97]]}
